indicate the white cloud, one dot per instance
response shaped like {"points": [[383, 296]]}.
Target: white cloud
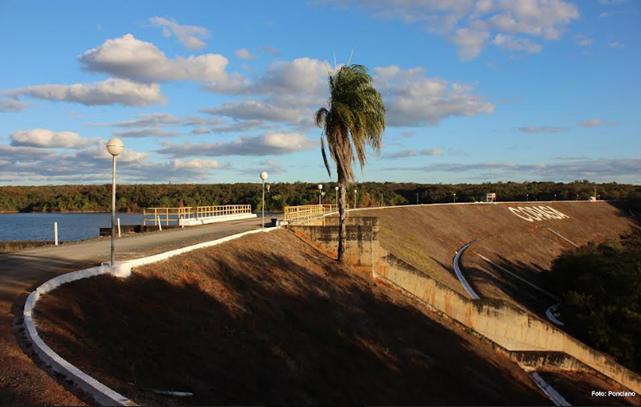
{"points": [[616, 44], [470, 24], [416, 153], [573, 169], [44, 138], [516, 44], [143, 120], [11, 105], [128, 57], [542, 129], [257, 110], [194, 164], [591, 123], [109, 92], [273, 143], [244, 54], [190, 36], [149, 132], [413, 100]]}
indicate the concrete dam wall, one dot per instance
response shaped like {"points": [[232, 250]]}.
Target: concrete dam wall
{"points": [[510, 327]]}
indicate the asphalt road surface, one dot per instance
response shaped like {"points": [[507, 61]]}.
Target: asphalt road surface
{"points": [[21, 380]]}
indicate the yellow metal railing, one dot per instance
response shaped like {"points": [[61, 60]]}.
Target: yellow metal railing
{"points": [[173, 216], [307, 214]]}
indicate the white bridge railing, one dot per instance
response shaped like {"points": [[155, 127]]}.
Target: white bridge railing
{"points": [[307, 214], [174, 216]]}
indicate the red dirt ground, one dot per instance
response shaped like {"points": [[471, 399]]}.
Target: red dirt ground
{"points": [[267, 319]]}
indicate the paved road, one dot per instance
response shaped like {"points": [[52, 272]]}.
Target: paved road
{"points": [[21, 381]]}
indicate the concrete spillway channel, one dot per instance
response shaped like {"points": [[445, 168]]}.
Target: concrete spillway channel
{"points": [[540, 382]]}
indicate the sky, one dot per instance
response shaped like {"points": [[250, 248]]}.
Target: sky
{"points": [[216, 92]]}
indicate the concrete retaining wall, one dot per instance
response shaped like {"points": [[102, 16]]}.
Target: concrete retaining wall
{"points": [[361, 243], [508, 326]]}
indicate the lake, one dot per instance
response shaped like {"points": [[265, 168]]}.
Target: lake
{"points": [[71, 226]]}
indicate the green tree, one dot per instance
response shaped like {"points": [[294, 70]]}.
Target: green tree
{"points": [[355, 118]]}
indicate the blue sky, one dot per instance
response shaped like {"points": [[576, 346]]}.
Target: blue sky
{"points": [[476, 90]]}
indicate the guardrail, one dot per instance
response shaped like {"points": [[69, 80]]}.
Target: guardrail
{"points": [[174, 216], [306, 214]]}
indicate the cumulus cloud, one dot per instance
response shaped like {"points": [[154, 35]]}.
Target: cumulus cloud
{"points": [[413, 100], [128, 57], [616, 44], [11, 105], [542, 129], [471, 24], [44, 138], [244, 54], [190, 36], [109, 92], [275, 143], [591, 123], [149, 132], [92, 164], [415, 153]]}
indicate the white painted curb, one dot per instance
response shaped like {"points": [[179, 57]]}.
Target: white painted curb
{"points": [[102, 394], [459, 273]]}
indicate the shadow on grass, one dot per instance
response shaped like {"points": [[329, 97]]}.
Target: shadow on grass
{"points": [[257, 327]]}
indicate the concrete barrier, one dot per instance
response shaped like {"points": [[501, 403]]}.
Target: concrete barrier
{"points": [[102, 394]]}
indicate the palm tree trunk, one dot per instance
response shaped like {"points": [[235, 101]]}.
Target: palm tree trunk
{"points": [[342, 212]]}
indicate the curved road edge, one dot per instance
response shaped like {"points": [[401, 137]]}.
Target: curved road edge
{"points": [[102, 394]]}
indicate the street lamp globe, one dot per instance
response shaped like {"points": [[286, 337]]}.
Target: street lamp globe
{"points": [[263, 175], [115, 146], [320, 186]]}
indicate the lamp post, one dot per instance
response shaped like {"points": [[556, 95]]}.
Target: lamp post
{"points": [[417, 201], [115, 148], [454, 193], [355, 191], [527, 197], [263, 176], [336, 188], [320, 189], [555, 197]]}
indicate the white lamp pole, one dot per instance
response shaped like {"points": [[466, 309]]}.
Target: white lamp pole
{"points": [[263, 176], [320, 189], [115, 148], [454, 197], [355, 191], [336, 188]]}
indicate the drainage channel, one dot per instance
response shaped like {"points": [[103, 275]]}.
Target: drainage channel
{"points": [[540, 382]]}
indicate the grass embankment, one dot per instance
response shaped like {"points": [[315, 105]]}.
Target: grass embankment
{"points": [[267, 319], [428, 237]]}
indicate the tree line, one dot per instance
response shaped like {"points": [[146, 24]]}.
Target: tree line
{"points": [[600, 288], [133, 198]]}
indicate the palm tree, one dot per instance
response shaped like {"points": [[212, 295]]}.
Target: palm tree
{"points": [[355, 118]]}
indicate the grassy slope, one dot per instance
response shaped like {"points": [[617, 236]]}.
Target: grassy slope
{"points": [[428, 237], [268, 320]]}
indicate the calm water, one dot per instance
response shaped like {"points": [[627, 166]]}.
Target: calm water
{"points": [[71, 226]]}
